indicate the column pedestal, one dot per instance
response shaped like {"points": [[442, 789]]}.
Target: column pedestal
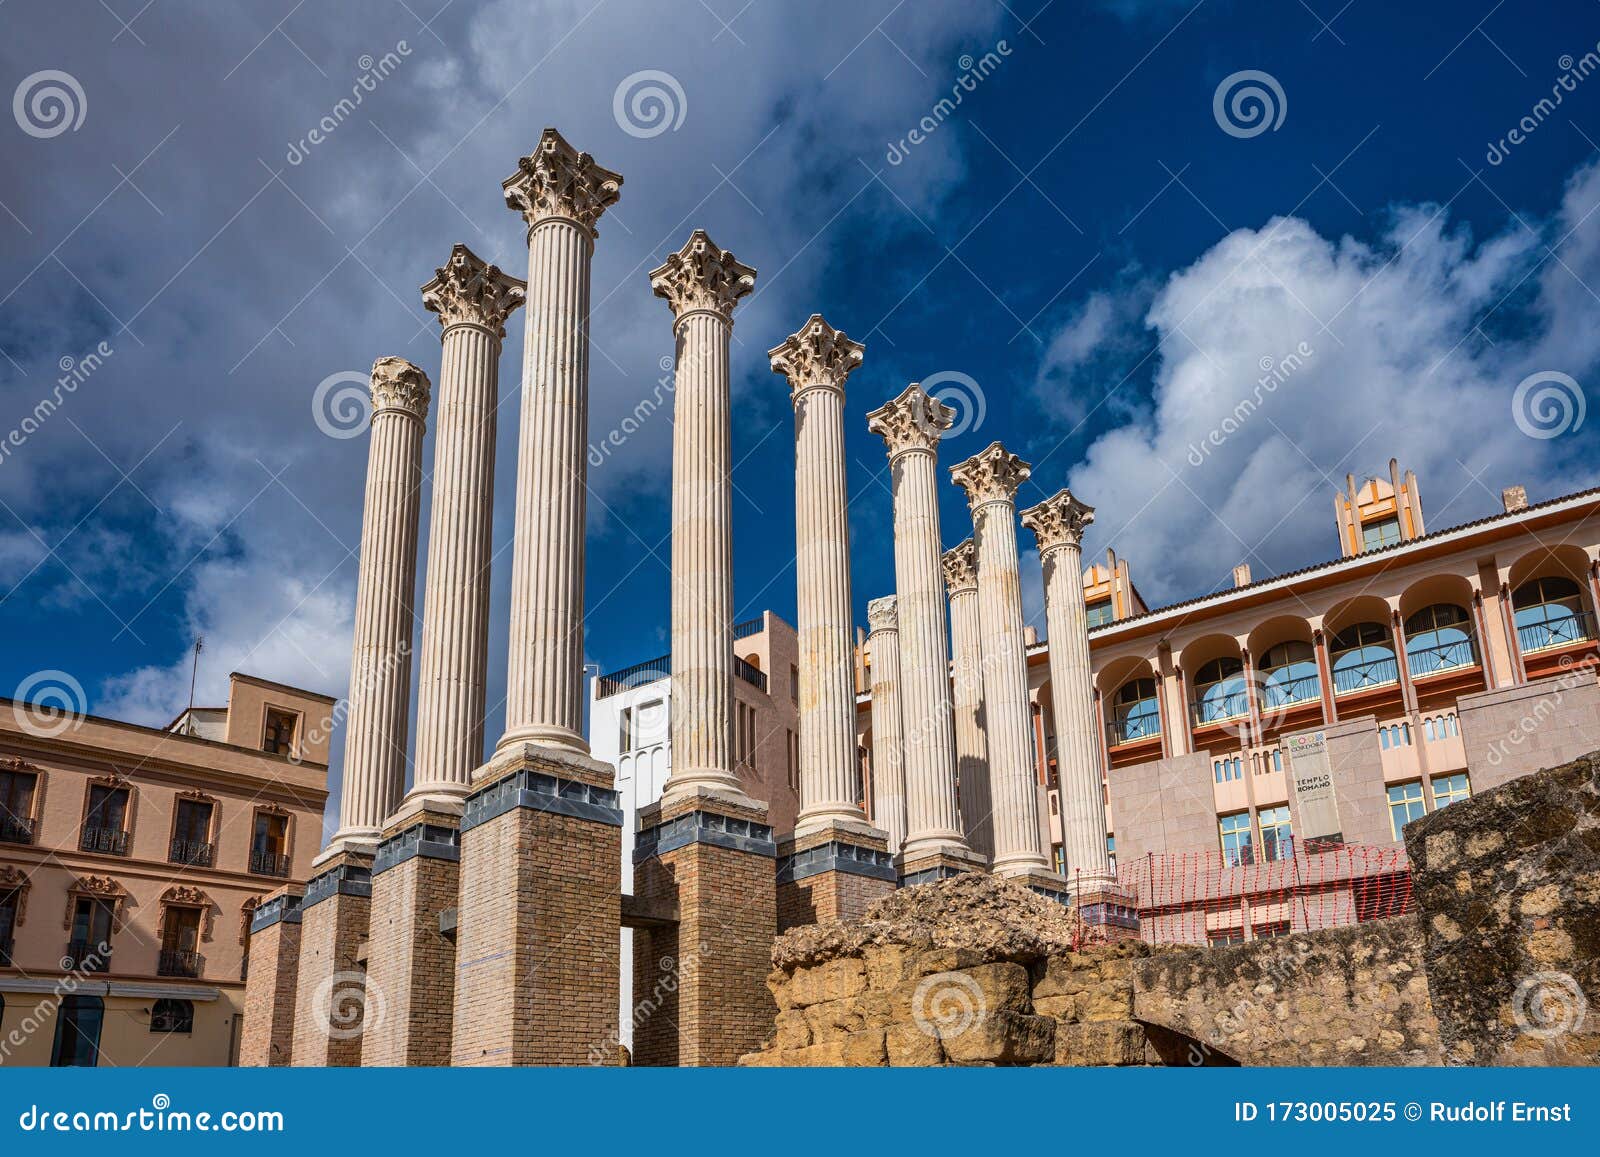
{"points": [[411, 962], [832, 873], [538, 947], [333, 1003], [699, 988], [270, 982], [930, 867]]}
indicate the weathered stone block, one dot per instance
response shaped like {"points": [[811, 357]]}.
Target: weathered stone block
{"points": [[832, 980], [910, 1047], [1003, 1038], [1102, 1043]]}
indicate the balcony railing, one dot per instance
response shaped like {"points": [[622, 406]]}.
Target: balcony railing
{"points": [[748, 627], [1133, 723], [750, 673], [1562, 632], [192, 853], [7, 947], [14, 830], [174, 962], [84, 956], [107, 841], [1218, 708], [1365, 676], [269, 864], [1277, 693], [1441, 657], [659, 668]]}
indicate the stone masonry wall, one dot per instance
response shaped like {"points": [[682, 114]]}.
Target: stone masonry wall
{"points": [[269, 996]]}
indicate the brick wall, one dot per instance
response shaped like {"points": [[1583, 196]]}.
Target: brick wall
{"points": [[411, 965], [330, 997], [269, 996]]}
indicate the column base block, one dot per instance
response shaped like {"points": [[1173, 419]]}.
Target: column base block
{"points": [[927, 869], [271, 979], [700, 993], [1050, 885], [331, 999], [1108, 908], [411, 962], [538, 942], [832, 873]]}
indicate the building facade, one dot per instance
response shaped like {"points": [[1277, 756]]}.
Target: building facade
{"points": [[131, 861]]}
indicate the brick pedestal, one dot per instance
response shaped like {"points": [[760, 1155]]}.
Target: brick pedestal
{"points": [[699, 989], [833, 873], [538, 948], [332, 1003], [938, 866], [269, 987], [410, 961]]}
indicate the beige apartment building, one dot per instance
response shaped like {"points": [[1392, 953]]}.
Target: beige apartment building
{"points": [[1426, 663], [131, 860]]}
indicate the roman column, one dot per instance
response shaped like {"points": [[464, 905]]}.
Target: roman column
{"points": [[561, 194], [911, 426], [473, 300], [816, 361], [1058, 523], [380, 660], [990, 479], [888, 767], [702, 283], [966, 698]]}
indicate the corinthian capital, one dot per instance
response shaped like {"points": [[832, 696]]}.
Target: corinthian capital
{"points": [[961, 568], [914, 421], [400, 386], [991, 475], [702, 275], [1059, 520], [882, 614], [818, 355], [556, 180], [466, 289]]}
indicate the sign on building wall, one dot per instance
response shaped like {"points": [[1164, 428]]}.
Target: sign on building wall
{"points": [[1316, 806]]}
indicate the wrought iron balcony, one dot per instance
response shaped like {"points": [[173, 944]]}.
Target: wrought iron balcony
{"points": [[1135, 722], [750, 673], [1366, 676], [1561, 632], [107, 841], [174, 962], [1276, 693], [269, 864], [1218, 708], [192, 853], [15, 830], [1442, 657], [748, 627], [85, 956]]}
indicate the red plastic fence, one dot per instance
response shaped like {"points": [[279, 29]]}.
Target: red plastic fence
{"points": [[1211, 898]]}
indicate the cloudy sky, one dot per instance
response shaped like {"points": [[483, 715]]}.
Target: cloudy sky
{"points": [[1099, 243]]}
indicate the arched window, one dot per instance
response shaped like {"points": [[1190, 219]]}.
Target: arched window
{"points": [[1439, 638], [1363, 657], [1549, 613], [1219, 691], [172, 1016], [1289, 675], [1135, 714]]}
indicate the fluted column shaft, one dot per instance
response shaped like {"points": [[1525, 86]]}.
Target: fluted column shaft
{"points": [[888, 770], [972, 745], [380, 660], [544, 679], [453, 669], [1083, 808]]}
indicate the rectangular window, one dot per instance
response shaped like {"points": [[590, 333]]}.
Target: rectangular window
{"points": [[1220, 936], [105, 820], [278, 737], [1448, 789], [1405, 805], [78, 1032], [1383, 532], [90, 944], [794, 683], [191, 834], [269, 850], [1277, 840], [16, 806], [1100, 613], [1111, 851], [180, 943], [1059, 855], [1271, 930], [625, 731], [1235, 833], [9, 903]]}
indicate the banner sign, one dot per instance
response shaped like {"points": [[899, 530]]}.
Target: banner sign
{"points": [[1316, 806]]}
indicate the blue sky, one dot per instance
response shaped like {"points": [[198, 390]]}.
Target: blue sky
{"points": [[1090, 263]]}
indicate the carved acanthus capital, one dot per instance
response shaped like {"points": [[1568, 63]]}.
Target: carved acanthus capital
{"points": [[702, 276], [556, 180], [916, 420], [468, 290], [991, 475], [961, 568], [818, 355], [401, 386], [883, 615], [1059, 520]]}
